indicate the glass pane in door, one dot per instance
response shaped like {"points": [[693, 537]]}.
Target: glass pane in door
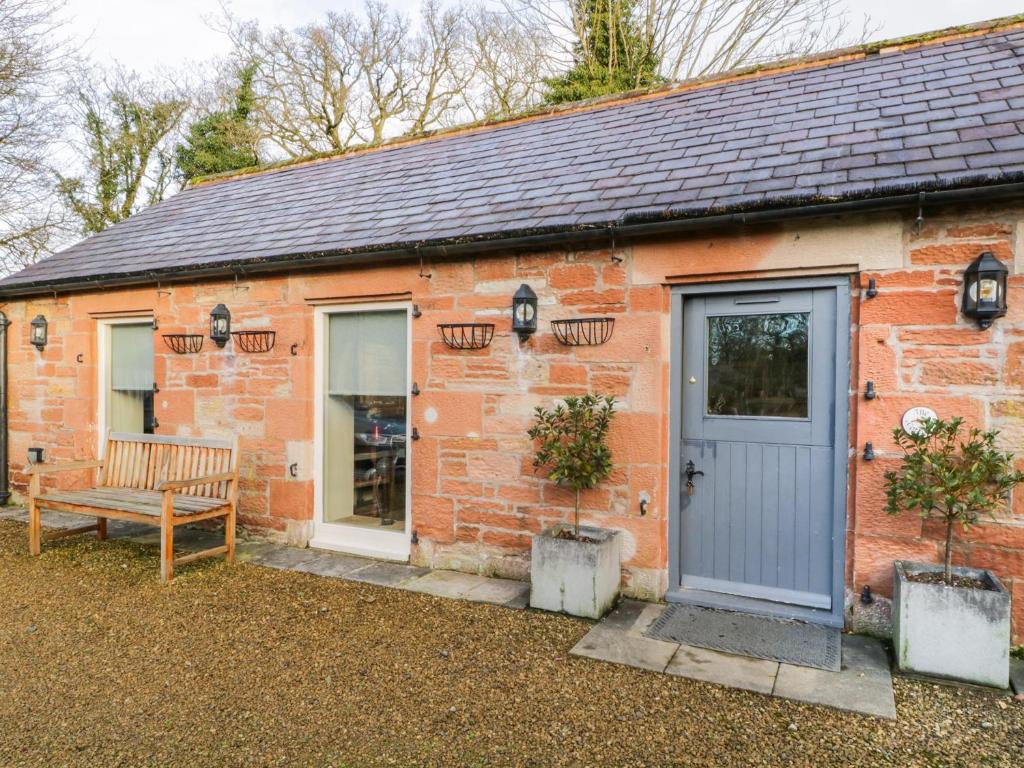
{"points": [[130, 390], [757, 365], [365, 412]]}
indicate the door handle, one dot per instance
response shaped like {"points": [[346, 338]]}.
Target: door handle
{"points": [[691, 472]]}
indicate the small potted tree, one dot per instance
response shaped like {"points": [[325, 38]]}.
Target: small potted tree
{"points": [[951, 622], [574, 568]]}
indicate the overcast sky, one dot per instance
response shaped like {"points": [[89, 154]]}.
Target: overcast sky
{"points": [[143, 34]]}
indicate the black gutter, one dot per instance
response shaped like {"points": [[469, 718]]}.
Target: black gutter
{"points": [[631, 226]]}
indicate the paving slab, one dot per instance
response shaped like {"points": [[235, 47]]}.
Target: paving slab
{"points": [[253, 551], [1017, 675], [196, 538], [332, 564], [744, 672], [623, 616], [285, 558], [447, 584], [863, 685], [520, 601], [649, 614], [468, 586], [50, 518], [387, 574], [507, 592], [619, 647]]}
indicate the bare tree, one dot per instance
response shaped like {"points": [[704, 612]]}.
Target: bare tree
{"points": [[508, 62], [696, 38], [127, 127], [363, 78], [382, 46], [303, 83], [31, 54], [440, 71]]}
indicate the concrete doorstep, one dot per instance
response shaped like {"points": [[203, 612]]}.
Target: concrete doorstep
{"points": [[864, 684]]}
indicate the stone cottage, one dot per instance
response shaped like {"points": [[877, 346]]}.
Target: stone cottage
{"points": [[765, 268]]}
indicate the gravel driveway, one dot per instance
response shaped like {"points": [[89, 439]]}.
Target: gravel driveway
{"points": [[242, 665]]}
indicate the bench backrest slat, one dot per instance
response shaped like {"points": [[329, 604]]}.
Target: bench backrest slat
{"points": [[143, 461]]}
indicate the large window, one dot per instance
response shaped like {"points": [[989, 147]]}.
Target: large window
{"points": [[365, 414], [129, 377]]}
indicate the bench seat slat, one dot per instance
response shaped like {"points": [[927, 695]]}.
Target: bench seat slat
{"points": [[132, 500], [140, 496]]}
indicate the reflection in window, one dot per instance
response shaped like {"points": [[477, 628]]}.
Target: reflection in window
{"points": [[757, 365]]}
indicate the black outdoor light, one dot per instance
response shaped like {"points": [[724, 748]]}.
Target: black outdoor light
{"points": [[984, 290], [220, 325], [38, 332], [524, 312]]}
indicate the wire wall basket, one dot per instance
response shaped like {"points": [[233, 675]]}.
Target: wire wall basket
{"points": [[583, 331], [466, 335], [255, 341], [184, 343]]}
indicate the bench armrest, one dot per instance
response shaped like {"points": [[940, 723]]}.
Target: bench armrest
{"points": [[171, 485], [46, 469]]}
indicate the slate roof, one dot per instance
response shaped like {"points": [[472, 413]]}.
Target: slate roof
{"points": [[932, 116]]}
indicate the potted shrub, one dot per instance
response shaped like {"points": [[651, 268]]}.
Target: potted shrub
{"points": [[574, 568], [951, 622]]}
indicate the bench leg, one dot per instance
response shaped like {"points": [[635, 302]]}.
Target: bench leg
{"points": [[167, 538], [35, 523], [229, 535], [101, 528]]}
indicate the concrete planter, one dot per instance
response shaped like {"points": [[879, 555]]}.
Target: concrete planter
{"points": [[962, 634], [576, 577]]}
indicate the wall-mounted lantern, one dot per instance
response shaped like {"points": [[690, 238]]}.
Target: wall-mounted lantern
{"points": [[220, 325], [524, 312], [984, 290], [37, 334]]}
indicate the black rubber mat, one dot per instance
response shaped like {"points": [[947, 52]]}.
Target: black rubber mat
{"points": [[744, 634]]}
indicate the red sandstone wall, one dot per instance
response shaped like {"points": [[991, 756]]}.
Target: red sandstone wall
{"points": [[919, 351], [476, 500]]}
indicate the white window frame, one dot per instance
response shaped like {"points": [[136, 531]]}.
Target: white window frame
{"points": [[339, 537], [103, 326]]}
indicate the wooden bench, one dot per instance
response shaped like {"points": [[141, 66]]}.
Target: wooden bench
{"points": [[162, 481]]}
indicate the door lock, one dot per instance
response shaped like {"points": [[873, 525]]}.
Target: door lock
{"points": [[691, 472]]}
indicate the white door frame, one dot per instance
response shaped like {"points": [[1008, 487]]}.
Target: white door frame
{"points": [[370, 542], [103, 326]]}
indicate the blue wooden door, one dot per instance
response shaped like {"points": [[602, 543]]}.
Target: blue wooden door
{"points": [[758, 425]]}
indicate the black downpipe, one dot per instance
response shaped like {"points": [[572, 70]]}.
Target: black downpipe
{"points": [[5, 488]]}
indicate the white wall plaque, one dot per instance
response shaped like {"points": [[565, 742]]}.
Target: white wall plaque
{"points": [[912, 418]]}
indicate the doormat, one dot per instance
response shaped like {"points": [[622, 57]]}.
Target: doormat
{"points": [[744, 634]]}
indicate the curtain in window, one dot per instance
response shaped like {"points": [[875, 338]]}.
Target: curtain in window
{"points": [[367, 353], [131, 357]]}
